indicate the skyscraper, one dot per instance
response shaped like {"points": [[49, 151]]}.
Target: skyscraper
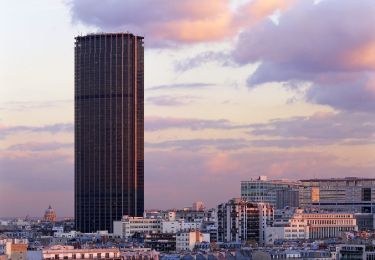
{"points": [[109, 126]]}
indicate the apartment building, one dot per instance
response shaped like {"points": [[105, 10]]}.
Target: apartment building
{"points": [[241, 221]]}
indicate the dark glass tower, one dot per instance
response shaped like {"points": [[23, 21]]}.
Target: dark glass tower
{"points": [[109, 127]]}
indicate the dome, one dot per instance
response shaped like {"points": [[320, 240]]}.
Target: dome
{"points": [[49, 215]]}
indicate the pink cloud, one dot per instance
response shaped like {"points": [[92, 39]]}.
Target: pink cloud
{"points": [[163, 21], [51, 128], [33, 180], [362, 57], [322, 43], [215, 177], [221, 163], [172, 178], [155, 123]]}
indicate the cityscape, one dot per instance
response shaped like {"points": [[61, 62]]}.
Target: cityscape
{"points": [[233, 129]]}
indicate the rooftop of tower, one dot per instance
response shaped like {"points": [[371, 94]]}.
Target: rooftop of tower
{"points": [[100, 34]]}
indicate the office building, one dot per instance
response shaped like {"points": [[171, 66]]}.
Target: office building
{"points": [[355, 195], [129, 226], [241, 221], [295, 224], [287, 197], [109, 126], [278, 193]]}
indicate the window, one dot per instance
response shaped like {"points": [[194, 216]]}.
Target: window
{"points": [[366, 194]]}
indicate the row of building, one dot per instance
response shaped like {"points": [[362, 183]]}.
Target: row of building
{"points": [[271, 210], [350, 194], [242, 221]]}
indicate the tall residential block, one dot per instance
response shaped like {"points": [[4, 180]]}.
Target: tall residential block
{"points": [[243, 221], [109, 129]]}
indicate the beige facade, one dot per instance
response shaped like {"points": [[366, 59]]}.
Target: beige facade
{"points": [[185, 241], [68, 252], [310, 226]]}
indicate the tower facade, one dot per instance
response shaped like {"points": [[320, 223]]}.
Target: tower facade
{"points": [[109, 129]]}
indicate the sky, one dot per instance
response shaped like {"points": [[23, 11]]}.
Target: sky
{"points": [[234, 89]]}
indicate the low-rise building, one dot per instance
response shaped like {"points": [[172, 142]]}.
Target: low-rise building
{"points": [[161, 242], [69, 235], [140, 255], [179, 225], [190, 215], [185, 241], [68, 252], [300, 225], [16, 251], [350, 252], [329, 225], [128, 226]]}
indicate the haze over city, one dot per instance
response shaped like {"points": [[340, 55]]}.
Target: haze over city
{"points": [[233, 90]]}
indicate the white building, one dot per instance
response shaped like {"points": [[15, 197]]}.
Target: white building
{"points": [[310, 226], [71, 234], [129, 226], [179, 225], [171, 227], [266, 216], [290, 228], [185, 241], [327, 225], [58, 229]]}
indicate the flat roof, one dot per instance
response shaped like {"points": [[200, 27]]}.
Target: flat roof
{"points": [[340, 179], [89, 35]]}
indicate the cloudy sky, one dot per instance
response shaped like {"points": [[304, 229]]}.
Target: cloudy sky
{"points": [[234, 89]]}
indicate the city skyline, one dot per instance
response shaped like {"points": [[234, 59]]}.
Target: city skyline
{"points": [[233, 90]]}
